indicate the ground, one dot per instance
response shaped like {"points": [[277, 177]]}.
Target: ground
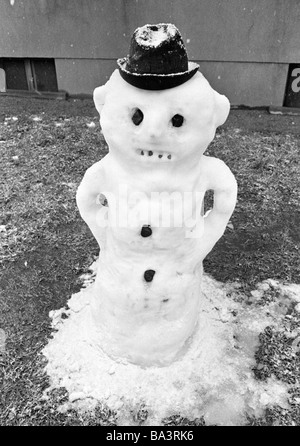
{"points": [[46, 146]]}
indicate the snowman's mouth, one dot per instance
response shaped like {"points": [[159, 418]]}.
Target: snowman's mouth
{"points": [[154, 155]]}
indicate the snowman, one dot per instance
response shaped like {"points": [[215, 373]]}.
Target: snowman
{"points": [[143, 200]]}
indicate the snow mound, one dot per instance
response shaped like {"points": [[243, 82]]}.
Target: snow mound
{"points": [[213, 380]]}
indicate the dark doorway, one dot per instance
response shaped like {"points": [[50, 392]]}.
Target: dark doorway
{"points": [[15, 74], [44, 74], [30, 74]]}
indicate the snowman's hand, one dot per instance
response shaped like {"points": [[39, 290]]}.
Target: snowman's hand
{"points": [[89, 200], [223, 183]]}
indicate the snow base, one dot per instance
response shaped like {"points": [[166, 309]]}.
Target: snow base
{"points": [[213, 380]]}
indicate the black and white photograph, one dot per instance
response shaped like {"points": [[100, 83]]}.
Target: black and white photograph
{"points": [[150, 215]]}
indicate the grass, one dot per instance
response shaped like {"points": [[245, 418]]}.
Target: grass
{"points": [[45, 246], [265, 239]]}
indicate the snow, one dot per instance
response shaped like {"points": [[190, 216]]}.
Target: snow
{"points": [[141, 331], [91, 125], [2, 341], [12, 118], [155, 174], [154, 35], [202, 107], [213, 378]]}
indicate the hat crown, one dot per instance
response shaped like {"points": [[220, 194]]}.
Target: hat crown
{"points": [[157, 49], [157, 59]]}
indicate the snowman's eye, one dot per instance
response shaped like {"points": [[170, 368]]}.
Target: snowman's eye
{"points": [[137, 116], [177, 120]]}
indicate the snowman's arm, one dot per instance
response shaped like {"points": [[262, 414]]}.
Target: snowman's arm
{"points": [[221, 180], [87, 198]]}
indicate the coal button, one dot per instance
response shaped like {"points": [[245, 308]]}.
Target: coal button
{"points": [[148, 275], [146, 231]]}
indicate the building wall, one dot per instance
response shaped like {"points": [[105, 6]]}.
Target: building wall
{"points": [[243, 46], [244, 83]]}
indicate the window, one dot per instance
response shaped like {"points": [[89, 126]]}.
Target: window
{"points": [[29, 74]]}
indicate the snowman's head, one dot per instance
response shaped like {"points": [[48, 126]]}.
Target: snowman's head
{"points": [[159, 126]]}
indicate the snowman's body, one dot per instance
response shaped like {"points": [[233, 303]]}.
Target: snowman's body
{"points": [[153, 236]]}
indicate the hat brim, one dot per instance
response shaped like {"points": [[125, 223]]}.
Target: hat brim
{"points": [[151, 81]]}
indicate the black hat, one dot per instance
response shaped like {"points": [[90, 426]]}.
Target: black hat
{"points": [[158, 59]]}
